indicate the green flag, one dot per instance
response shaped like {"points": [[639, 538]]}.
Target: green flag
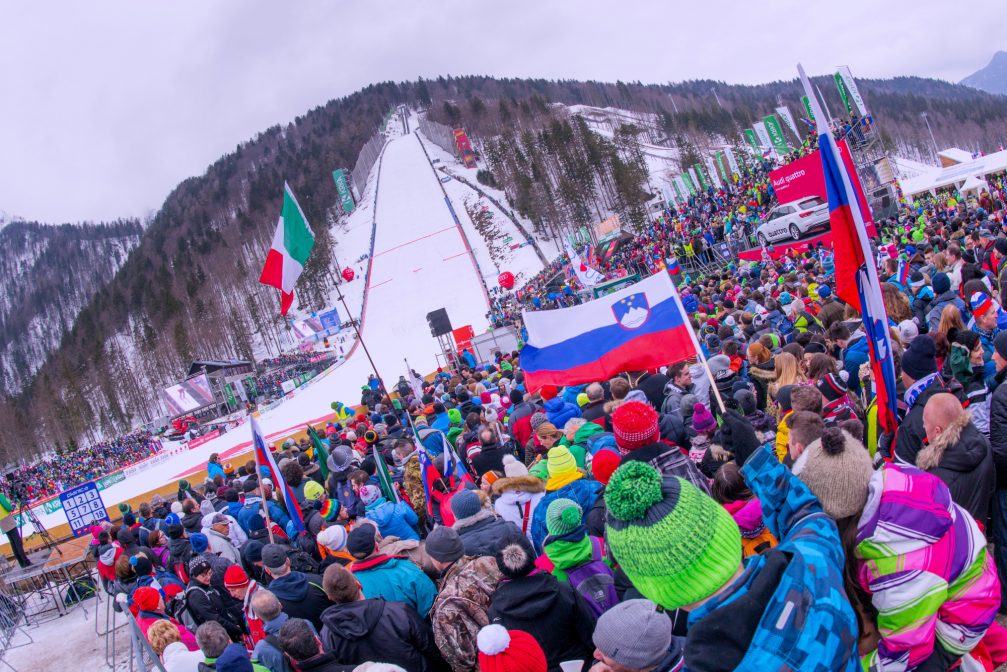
{"points": [[775, 134], [807, 108], [842, 92], [388, 488], [323, 455], [703, 181], [721, 168], [753, 141]]}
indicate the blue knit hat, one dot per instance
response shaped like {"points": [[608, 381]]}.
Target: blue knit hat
{"points": [[199, 542], [465, 504]]}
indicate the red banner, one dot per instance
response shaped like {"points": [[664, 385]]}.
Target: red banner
{"points": [[804, 178], [200, 440]]}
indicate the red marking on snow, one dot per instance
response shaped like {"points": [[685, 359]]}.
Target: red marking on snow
{"points": [[417, 270], [454, 256], [414, 240], [383, 282]]}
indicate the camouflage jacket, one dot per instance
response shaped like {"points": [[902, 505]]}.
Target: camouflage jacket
{"points": [[412, 482], [460, 610]]}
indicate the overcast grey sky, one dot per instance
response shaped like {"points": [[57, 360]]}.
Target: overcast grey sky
{"points": [[106, 106]]}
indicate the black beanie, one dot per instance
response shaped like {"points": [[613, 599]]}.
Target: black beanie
{"points": [[1001, 245], [516, 397], [515, 555], [1000, 344], [920, 358]]}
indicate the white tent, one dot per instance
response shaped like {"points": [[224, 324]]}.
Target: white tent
{"points": [[956, 175]]}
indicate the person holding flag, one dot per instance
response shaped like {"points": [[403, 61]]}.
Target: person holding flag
{"points": [[292, 522]]}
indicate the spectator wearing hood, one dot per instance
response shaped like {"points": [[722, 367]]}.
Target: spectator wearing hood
{"points": [[356, 628], [387, 577], [393, 520], [556, 409], [944, 296], [150, 609]]}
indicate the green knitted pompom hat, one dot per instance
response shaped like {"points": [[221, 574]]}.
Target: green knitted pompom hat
{"points": [[675, 543], [563, 517]]}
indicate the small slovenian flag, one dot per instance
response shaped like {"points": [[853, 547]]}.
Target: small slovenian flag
{"points": [[674, 268], [903, 272], [264, 458]]}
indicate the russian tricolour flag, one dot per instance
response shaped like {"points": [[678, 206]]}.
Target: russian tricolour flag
{"points": [[264, 458], [674, 268], [641, 327], [857, 281]]}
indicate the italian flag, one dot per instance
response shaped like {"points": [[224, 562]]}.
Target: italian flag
{"points": [[289, 252]]}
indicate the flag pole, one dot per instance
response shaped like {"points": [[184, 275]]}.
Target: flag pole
{"points": [[262, 498], [360, 339], [699, 350]]}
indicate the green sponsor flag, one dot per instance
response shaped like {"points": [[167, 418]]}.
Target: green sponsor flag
{"points": [[388, 488], [721, 168], [343, 190], [674, 184], [775, 134], [230, 394], [704, 182], [688, 183], [842, 92], [753, 141], [323, 455], [807, 108]]}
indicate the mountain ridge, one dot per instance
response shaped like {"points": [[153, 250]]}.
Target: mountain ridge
{"points": [[991, 78], [189, 287]]}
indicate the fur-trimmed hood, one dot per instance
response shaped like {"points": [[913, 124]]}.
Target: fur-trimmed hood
{"points": [[484, 514], [959, 447], [518, 484]]}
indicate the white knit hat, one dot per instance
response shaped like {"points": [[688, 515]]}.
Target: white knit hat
{"points": [[513, 468]]}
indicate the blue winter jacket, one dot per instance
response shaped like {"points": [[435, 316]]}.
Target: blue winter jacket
{"points": [[856, 354], [253, 506], [559, 411], [570, 393], [441, 422], [214, 469], [395, 580], [582, 491], [394, 520], [807, 623]]}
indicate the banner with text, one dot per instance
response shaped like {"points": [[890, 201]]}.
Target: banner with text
{"points": [[343, 190], [83, 507], [788, 119], [851, 88], [804, 178], [776, 134]]}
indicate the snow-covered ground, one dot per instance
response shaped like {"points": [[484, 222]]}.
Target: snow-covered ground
{"points": [[420, 264]]}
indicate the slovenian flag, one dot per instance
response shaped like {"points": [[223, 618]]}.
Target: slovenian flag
{"points": [[263, 458], [857, 281], [640, 327], [674, 268], [903, 272], [292, 243]]}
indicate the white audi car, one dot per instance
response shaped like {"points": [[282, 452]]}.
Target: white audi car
{"points": [[793, 221]]}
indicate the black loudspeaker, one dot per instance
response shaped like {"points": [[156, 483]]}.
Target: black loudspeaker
{"points": [[439, 323]]}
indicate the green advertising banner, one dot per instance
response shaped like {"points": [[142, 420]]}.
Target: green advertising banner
{"points": [[721, 168], [704, 181], [343, 190], [52, 505], [842, 92], [230, 394], [107, 481], [753, 141], [807, 108], [674, 184], [688, 182], [775, 134]]}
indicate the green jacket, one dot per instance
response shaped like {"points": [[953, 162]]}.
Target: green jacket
{"points": [[566, 555]]}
